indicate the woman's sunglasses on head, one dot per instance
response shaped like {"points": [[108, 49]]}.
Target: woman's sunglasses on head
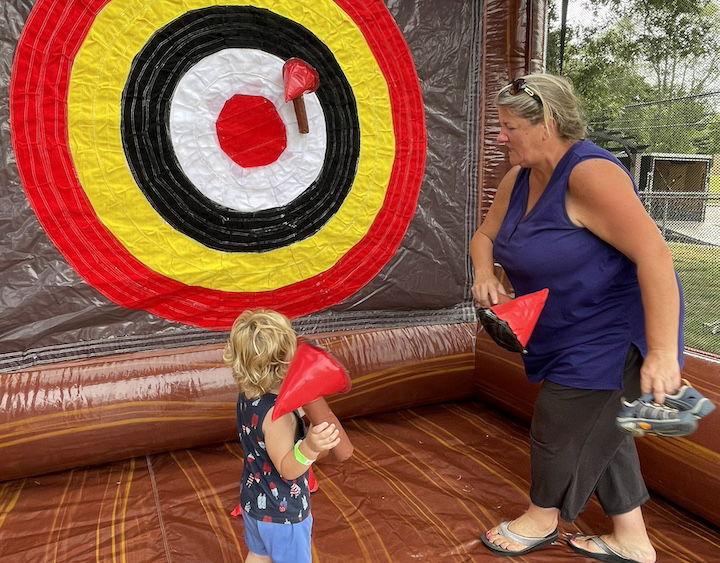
{"points": [[519, 85]]}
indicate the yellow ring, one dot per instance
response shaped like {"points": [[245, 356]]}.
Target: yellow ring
{"points": [[99, 74]]}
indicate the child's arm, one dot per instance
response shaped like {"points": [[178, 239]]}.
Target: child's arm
{"points": [[279, 441]]}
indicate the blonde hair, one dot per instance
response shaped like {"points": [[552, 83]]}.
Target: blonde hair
{"points": [[259, 350], [559, 103]]}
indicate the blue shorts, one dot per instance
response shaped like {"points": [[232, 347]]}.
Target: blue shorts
{"points": [[283, 543]]}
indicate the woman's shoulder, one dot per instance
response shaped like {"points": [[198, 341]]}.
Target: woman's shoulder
{"points": [[584, 150], [596, 178], [589, 158], [506, 185]]}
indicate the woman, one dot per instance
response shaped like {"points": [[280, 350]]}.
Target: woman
{"points": [[567, 217]]}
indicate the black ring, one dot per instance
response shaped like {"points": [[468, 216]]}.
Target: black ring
{"points": [[153, 77]]}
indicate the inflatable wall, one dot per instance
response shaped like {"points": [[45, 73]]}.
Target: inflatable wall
{"points": [[154, 189]]}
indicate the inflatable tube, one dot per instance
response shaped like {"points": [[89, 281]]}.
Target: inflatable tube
{"points": [[94, 411]]}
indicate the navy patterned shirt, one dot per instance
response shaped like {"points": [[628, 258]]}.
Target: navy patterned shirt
{"points": [[264, 494]]}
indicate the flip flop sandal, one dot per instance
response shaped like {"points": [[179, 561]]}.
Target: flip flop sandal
{"points": [[531, 543], [609, 554]]}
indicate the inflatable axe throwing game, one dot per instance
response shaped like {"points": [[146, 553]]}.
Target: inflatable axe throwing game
{"points": [[511, 324], [168, 164], [314, 374]]}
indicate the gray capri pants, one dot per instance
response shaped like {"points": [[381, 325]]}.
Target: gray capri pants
{"points": [[576, 450]]}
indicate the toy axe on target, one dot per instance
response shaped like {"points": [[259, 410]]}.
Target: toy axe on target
{"points": [[312, 375], [299, 78], [511, 324]]}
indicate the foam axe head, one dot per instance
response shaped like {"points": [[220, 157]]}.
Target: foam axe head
{"points": [[511, 324], [313, 373], [299, 78]]}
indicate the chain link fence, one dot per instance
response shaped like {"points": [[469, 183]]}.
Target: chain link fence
{"points": [[672, 149]]}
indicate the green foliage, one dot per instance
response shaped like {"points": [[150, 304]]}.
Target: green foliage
{"points": [[707, 140], [601, 65], [697, 267], [714, 187], [649, 50], [681, 125]]}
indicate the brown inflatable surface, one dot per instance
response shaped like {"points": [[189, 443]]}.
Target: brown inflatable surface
{"points": [[432, 468], [422, 485]]}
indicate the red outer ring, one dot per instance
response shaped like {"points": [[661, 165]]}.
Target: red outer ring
{"points": [[47, 48]]}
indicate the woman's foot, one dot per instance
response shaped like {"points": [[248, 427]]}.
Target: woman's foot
{"points": [[641, 552], [531, 525]]}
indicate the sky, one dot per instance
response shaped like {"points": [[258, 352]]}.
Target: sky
{"points": [[579, 13]]}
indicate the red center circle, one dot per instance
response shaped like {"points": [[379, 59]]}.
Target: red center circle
{"points": [[250, 131]]}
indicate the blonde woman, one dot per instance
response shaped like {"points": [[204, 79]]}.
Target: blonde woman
{"points": [[274, 494], [567, 217]]}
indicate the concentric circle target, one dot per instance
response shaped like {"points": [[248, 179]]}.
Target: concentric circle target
{"points": [[154, 75], [202, 96], [155, 145]]}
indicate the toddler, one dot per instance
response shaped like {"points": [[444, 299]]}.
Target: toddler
{"points": [[274, 495]]}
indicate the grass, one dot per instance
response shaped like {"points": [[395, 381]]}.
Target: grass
{"points": [[699, 270], [715, 185]]}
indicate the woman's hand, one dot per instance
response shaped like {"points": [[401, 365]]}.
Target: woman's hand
{"points": [[321, 437], [660, 374], [488, 290]]}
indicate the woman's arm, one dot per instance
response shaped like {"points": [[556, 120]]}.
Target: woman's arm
{"points": [[486, 287], [601, 198]]}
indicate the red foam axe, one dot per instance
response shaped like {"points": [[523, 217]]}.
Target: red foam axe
{"points": [[299, 78], [314, 374], [511, 324]]}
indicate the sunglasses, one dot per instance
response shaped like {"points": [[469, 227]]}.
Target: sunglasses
{"points": [[519, 85]]}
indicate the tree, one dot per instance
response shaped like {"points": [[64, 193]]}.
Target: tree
{"points": [[602, 66], [679, 125], [677, 41], [648, 51]]}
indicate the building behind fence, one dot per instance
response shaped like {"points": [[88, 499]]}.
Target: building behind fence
{"points": [[672, 149]]}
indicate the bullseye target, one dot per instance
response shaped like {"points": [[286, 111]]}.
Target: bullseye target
{"points": [[198, 125], [155, 145]]}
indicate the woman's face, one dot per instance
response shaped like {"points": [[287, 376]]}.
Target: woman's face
{"points": [[521, 139]]}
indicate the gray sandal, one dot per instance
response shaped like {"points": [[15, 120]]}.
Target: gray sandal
{"points": [[609, 553], [531, 543]]}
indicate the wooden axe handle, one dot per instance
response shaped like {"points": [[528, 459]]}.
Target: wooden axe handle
{"points": [[319, 411], [301, 113]]}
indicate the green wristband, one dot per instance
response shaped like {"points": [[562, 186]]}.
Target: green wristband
{"points": [[299, 455]]}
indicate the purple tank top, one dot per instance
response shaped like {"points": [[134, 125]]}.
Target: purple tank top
{"points": [[594, 309]]}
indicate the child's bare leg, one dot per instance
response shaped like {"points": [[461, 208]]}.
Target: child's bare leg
{"points": [[255, 558]]}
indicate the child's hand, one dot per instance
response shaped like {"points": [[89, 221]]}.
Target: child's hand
{"points": [[322, 437]]}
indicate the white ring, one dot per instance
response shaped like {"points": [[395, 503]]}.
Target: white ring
{"points": [[195, 106]]}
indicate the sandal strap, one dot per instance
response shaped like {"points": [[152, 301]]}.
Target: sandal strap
{"points": [[517, 538], [602, 544]]}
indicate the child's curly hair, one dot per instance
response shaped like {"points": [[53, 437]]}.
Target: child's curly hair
{"points": [[259, 350]]}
